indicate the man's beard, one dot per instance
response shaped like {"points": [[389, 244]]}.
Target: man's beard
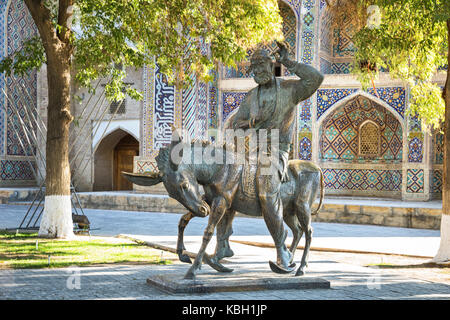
{"points": [[263, 77]]}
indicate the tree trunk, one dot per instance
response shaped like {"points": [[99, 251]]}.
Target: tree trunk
{"points": [[57, 218], [443, 253]]}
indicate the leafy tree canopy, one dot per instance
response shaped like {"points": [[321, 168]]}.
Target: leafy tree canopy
{"points": [[411, 42], [185, 38]]}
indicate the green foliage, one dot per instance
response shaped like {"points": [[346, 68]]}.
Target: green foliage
{"points": [[30, 56], [411, 42], [186, 38]]}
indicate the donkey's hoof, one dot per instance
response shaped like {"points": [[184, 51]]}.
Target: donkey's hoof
{"points": [[184, 258], [300, 272], [216, 265], [279, 269], [189, 275]]}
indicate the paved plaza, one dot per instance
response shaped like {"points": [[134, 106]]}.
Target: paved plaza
{"points": [[353, 276]]}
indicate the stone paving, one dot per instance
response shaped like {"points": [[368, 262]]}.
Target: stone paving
{"points": [[349, 280]]}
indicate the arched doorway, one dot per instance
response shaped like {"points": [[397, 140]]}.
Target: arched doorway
{"points": [[113, 154], [124, 153]]}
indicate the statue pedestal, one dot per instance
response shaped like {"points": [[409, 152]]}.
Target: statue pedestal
{"points": [[208, 282]]}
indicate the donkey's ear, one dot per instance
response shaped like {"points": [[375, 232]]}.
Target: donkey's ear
{"points": [[144, 179]]}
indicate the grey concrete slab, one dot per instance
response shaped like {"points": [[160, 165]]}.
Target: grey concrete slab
{"points": [[234, 282]]}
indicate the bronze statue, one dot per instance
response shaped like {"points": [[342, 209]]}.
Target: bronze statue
{"points": [[282, 192], [272, 105], [225, 194]]}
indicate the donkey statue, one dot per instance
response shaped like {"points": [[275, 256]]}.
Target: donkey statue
{"points": [[228, 189]]}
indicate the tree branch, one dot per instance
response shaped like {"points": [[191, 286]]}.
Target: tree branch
{"points": [[65, 13], [42, 18]]}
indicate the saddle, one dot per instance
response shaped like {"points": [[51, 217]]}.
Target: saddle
{"points": [[248, 181]]}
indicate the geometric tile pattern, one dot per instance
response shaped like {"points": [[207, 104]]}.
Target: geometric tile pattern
{"points": [[393, 96], [202, 115], [340, 68], [231, 101], [309, 32], [162, 107], [415, 181], [213, 102], [326, 32], [3, 19], [147, 112], [304, 130], [415, 139], [362, 179], [339, 138], [342, 43], [16, 170], [20, 27], [328, 97], [438, 148], [437, 181], [164, 112], [305, 148], [190, 110], [325, 66], [415, 153]]}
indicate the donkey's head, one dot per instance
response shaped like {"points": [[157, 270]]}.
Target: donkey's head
{"points": [[177, 175]]}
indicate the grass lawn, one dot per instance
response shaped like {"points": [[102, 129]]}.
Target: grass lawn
{"points": [[19, 251]]}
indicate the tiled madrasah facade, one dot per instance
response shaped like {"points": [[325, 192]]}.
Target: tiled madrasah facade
{"points": [[364, 141]]}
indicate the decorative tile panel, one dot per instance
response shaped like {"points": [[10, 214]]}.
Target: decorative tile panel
{"points": [[20, 27], [3, 36], [415, 181], [393, 96], [213, 103], [305, 148], [437, 181], [16, 170], [339, 138], [164, 112], [328, 97], [231, 101], [415, 148], [438, 148], [362, 180]]}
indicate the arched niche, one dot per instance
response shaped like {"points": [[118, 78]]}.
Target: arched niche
{"points": [[114, 153], [340, 132]]}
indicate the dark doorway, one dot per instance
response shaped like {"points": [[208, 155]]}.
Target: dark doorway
{"points": [[124, 152]]}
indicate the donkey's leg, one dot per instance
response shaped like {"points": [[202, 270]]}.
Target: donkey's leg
{"points": [[224, 231], [273, 217], [180, 242], [292, 222], [304, 217], [218, 209]]}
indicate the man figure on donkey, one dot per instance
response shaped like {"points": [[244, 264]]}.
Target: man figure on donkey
{"points": [[272, 105]]}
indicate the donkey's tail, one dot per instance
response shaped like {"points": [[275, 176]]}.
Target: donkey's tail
{"points": [[322, 189]]}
